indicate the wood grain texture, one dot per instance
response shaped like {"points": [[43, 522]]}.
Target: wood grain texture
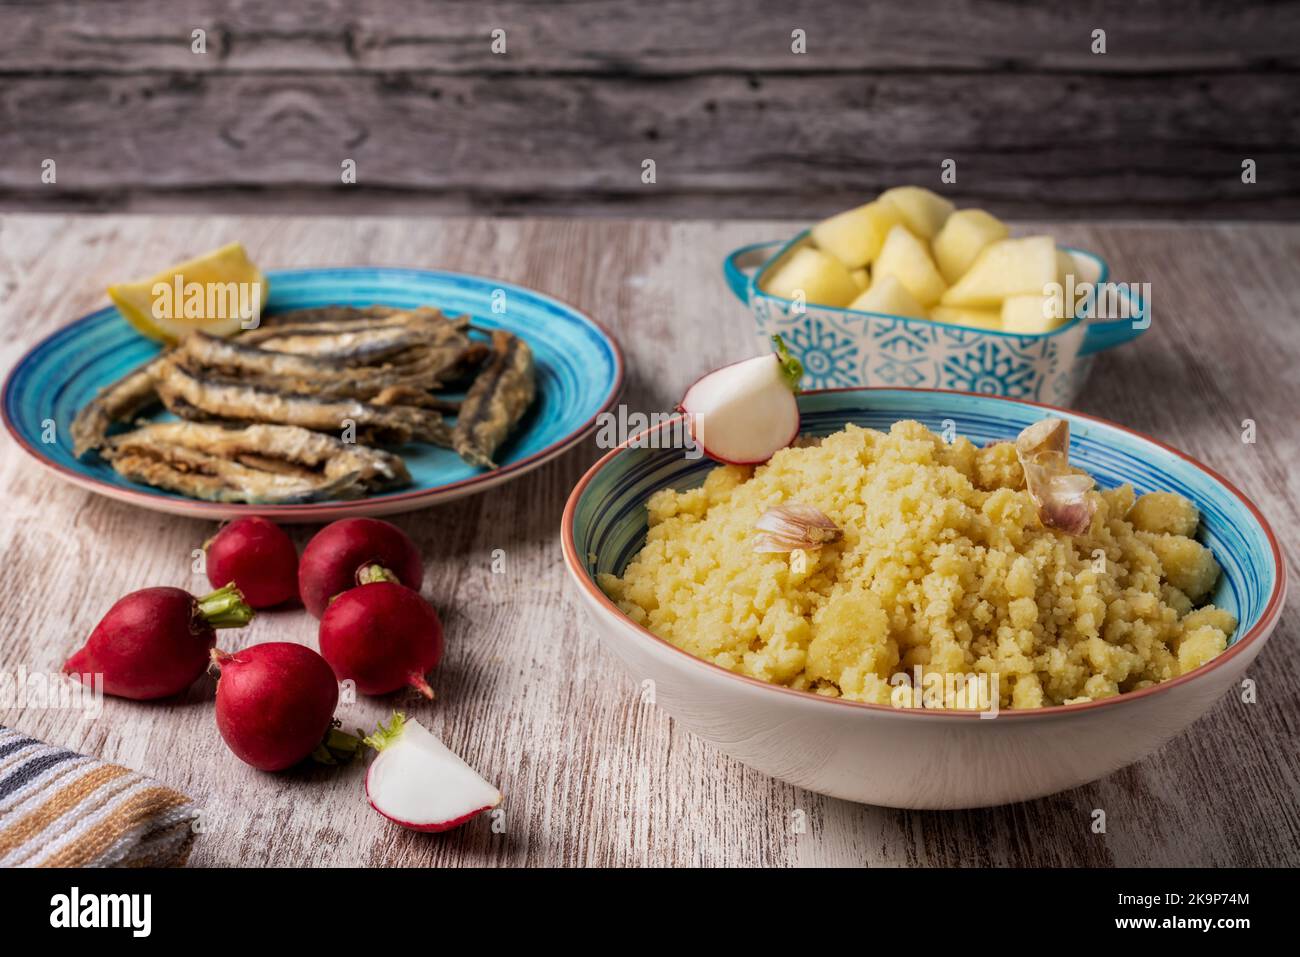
{"points": [[737, 124], [592, 775], [811, 144], [669, 37]]}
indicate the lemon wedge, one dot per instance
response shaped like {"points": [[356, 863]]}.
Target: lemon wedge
{"points": [[217, 293]]}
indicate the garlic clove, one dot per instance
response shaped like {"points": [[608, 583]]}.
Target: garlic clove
{"points": [[785, 528], [1045, 435], [1060, 493]]}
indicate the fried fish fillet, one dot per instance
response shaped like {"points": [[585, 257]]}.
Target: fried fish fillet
{"points": [[199, 395], [258, 464], [326, 314], [128, 396], [368, 373], [319, 376], [328, 353], [496, 401], [354, 347], [367, 336]]}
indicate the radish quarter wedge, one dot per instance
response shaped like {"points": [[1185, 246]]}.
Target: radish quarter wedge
{"points": [[418, 782]]}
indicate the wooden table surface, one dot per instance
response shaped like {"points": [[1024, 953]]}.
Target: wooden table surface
{"points": [[591, 774]]}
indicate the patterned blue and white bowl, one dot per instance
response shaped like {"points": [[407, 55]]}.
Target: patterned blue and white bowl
{"points": [[917, 758], [845, 347]]}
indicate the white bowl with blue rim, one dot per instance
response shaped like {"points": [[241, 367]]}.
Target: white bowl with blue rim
{"points": [[915, 758], [848, 347]]}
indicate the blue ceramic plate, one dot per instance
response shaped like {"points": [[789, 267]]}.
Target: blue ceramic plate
{"points": [[604, 522], [579, 374]]}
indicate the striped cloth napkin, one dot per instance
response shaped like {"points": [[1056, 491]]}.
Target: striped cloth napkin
{"points": [[63, 809]]}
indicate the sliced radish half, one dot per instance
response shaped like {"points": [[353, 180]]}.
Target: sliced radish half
{"points": [[743, 413], [418, 782]]}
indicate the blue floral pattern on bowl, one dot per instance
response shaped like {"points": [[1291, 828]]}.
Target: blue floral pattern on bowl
{"points": [[843, 347]]}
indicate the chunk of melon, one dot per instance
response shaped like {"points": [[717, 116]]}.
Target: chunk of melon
{"points": [[861, 276], [854, 237], [1066, 266], [891, 297], [961, 316], [1009, 267], [963, 238], [908, 260], [813, 276], [1032, 314], [923, 212]]}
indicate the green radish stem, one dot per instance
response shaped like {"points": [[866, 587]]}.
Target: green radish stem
{"points": [[337, 747], [225, 608], [791, 368], [386, 734], [370, 573]]}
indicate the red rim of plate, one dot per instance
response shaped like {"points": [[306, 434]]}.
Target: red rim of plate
{"points": [[324, 509], [1267, 620]]}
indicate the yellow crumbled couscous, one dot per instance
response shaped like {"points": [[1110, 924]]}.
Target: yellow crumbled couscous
{"points": [[943, 564]]}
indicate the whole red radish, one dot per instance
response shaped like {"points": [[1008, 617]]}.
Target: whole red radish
{"points": [[418, 782], [259, 557], [275, 703], [336, 553], [154, 643], [382, 635]]}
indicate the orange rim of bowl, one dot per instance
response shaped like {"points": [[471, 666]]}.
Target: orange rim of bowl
{"points": [[1267, 620]]}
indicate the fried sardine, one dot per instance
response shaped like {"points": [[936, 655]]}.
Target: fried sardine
{"points": [[258, 464], [425, 368], [128, 396], [273, 415], [200, 396], [496, 401]]}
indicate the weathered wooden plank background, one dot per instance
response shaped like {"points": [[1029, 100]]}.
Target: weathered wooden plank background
{"points": [[592, 774], [737, 123]]}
